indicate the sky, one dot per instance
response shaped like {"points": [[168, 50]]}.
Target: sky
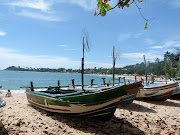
{"points": [[48, 33]]}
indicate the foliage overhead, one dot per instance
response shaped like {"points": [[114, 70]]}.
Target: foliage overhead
{"points": [[103, 7]]}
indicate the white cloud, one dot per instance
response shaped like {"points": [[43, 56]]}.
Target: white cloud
{"points": [[37, 9], [63, 45], [86, 4], [67, 48], [150, 41], [45, 5], [10, 57], [35, 4], [170, 43], [175, 3], [138, 57], [40, 16], [138, 35], [156, 47], [129, 35], [2, 33], [177, 45], [124, 36]]}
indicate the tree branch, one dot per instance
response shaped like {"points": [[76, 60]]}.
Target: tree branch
{"points": [[109, 9], [141, 12]]}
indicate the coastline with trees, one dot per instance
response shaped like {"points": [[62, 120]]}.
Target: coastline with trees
{"points": [[153, 68]]}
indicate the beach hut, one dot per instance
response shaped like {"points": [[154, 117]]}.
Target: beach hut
{"points": [[135, 74]]}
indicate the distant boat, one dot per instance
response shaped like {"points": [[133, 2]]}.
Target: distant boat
{"points": [[176, 92], [160, 92], [156, 91]]}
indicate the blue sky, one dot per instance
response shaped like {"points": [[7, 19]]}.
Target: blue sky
{"points": [[47, 33]]}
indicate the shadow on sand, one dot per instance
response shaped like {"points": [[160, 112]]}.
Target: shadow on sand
{"points": [[115, 126], [164, 103], [137, 108], [3, 131], [175, 97]]}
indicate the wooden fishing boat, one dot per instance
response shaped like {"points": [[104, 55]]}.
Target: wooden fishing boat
{"points": [[160, 92], [129, 98], [99, 104], [176, 92], [125, 100]]}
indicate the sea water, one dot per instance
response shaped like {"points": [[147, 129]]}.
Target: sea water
{"points": [[13, 80]]}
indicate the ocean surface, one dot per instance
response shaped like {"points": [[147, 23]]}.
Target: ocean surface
{"points": [[13, 80]]}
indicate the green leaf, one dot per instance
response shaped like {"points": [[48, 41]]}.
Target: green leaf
{"points": [[103, 11], [145, 27], [100, 4], [127, 5], [107, 6]]}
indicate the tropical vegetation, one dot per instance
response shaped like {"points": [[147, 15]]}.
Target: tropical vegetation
{"points": [[158, 67]]}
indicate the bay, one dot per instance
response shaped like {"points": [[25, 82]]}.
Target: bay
{"points": [[13, 80]]}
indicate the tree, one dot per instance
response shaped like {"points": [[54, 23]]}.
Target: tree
{"points": [[103, 7]]}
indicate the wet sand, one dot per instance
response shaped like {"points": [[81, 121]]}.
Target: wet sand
{"points": [[140, 117]]}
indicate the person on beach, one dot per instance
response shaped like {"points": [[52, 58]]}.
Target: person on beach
{"points": [[8, 94]]}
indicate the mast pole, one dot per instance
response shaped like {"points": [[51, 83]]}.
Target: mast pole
{"points": [[145, 68], [113, 65], [83, 66], [165, 68]]}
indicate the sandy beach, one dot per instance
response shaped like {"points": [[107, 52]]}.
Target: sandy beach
{"points": [[19, 117]]}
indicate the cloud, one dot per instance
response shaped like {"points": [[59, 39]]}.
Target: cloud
{"points": [[138, 57], [35, 4], [2, 33], [86, 4], [156, 47], [171, 43], [124, 36], [177, 45], [150, 41], [175, 3], [129, 35], [138, 35], [40, 16], [63, 45], [67, 48], [37, 9], [10, 57]]}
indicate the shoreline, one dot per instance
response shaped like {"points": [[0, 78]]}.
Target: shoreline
{"points": [[145, 117]]}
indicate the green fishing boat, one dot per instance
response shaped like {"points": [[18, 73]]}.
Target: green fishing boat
{"points": [[99, 104]]}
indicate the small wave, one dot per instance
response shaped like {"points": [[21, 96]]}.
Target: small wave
{"points": [[13, 91]]}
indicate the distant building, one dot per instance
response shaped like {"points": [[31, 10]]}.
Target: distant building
{"points": [[177, 62]]}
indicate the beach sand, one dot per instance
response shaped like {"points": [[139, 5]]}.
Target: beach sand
{"points": [[140, 117]]}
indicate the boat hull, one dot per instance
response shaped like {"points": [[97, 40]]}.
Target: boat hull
{"points": [[157, 93], [103, 112], [176, 93], [100, 105], [129, 98]]}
